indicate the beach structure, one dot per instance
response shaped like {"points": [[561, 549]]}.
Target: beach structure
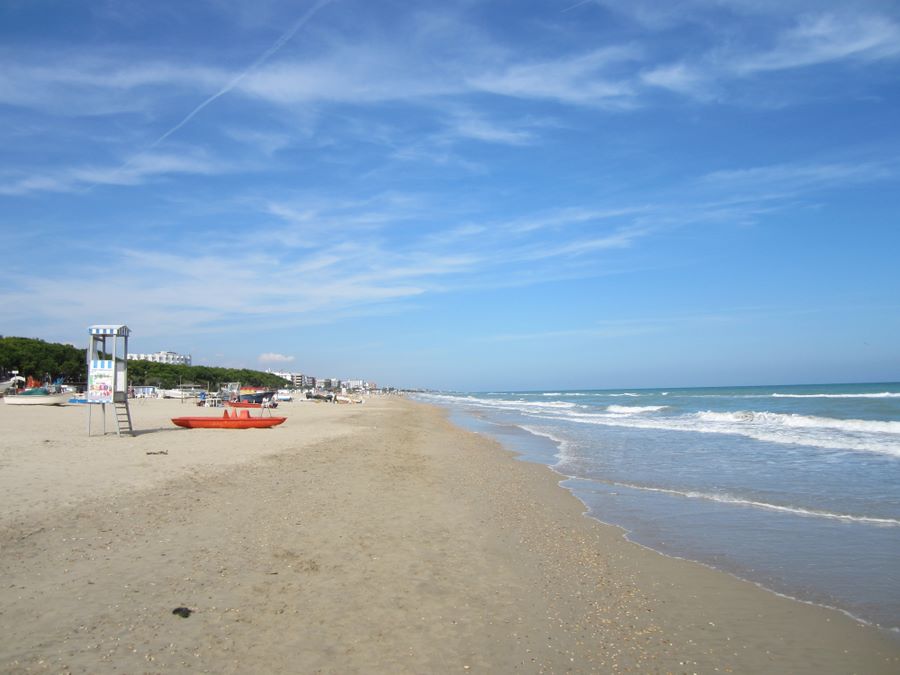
{"points": [[107, 362]]}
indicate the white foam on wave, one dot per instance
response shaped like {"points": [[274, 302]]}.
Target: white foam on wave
{"points": [[876, 436], [634, 409], [469, 399], [627, 393], [561, 443], [821, 432], [506, 404], [724, 498], [801, 421], [883, 394]]}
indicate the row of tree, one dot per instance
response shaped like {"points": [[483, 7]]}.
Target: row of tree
{"points": [[40, 359], [169, 376]]}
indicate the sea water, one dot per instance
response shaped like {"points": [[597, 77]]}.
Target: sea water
{"points": [[796, 488]]}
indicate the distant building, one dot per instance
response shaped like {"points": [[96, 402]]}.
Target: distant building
{"points": [[301, 381], [163, 357], [298, 380]]}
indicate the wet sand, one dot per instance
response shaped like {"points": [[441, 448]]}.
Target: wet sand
{"points": [[353, 538]]}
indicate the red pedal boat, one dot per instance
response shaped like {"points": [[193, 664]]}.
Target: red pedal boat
{"points": [[239, 420], [244, 404]]}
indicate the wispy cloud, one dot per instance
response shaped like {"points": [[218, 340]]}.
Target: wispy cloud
{"points": [[335, 271], [138, 170], [680, 78], [565, 217], [100, 84], [360, 73], [825, 38], [787, 36], [795, 177], [274, 357], [473, 126], [590, 78]]}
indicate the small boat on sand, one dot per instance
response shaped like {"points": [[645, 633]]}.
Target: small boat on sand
{"points": [[255, 395], [11, 383], [183, 392], [37, 396], [239, 420], [244, 404]]}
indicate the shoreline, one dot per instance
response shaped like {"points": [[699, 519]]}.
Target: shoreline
{"points": [[374, 538], [523, 455]]}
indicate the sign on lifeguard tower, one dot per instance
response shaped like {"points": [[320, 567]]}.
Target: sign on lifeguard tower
{"points": [[100, 382], [108, 374]]}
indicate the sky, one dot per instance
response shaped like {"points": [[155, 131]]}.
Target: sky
{"points": [[460, 194]]}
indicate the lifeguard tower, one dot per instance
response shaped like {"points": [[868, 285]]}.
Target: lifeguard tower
{"points": [[107, 374]]}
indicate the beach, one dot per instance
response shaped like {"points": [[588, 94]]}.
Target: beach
{"points": [[354, 538]]}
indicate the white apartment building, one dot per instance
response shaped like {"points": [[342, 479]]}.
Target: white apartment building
{"points": [[163, 357], [300, 381]]}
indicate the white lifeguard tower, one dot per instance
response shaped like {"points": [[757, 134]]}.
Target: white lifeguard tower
{"points": [[107, 374]]}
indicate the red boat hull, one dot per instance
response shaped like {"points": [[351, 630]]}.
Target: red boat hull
{"points": [[243, 404], [228, 422]]}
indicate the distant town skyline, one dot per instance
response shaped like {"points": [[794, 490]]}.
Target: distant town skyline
{"points": [[461, 195]]}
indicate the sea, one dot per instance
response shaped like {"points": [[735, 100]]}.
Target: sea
{"points": [[794, 488]]}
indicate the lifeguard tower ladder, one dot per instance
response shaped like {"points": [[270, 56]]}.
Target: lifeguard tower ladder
{"points": [[108, 375]]}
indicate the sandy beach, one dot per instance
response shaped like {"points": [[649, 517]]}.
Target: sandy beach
{"points": [[354, 539]]}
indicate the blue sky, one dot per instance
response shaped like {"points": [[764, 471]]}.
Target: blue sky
{"points": [[468, 195]]}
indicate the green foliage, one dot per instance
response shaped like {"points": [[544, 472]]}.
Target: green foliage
{"points": [[167, 376], [38, 358]]}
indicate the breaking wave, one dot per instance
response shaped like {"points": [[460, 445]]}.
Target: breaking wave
{"points": [[800, 421], [884, 394], [829, 433], [634, 409], [820, 432], [724, 498]]}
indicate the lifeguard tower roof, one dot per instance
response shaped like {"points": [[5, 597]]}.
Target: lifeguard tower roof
{"points": [[110, 329]]}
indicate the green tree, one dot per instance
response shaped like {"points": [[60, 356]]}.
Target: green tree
{"points": [[37, 358]]}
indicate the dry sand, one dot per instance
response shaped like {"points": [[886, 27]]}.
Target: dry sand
{"points": [[353, 539]]}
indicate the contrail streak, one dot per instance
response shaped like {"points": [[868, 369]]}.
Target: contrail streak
{"points": [[265, 56], [577, 4], [279, 43]]}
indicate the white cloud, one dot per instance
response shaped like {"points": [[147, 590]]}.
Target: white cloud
{"points": [[272, 357], [479, 129], [680, 78], [794, 177], [349, 74], [267, 142], [825, 38], [100, 84], [139, 169], [571, 216], [582, 79]]}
